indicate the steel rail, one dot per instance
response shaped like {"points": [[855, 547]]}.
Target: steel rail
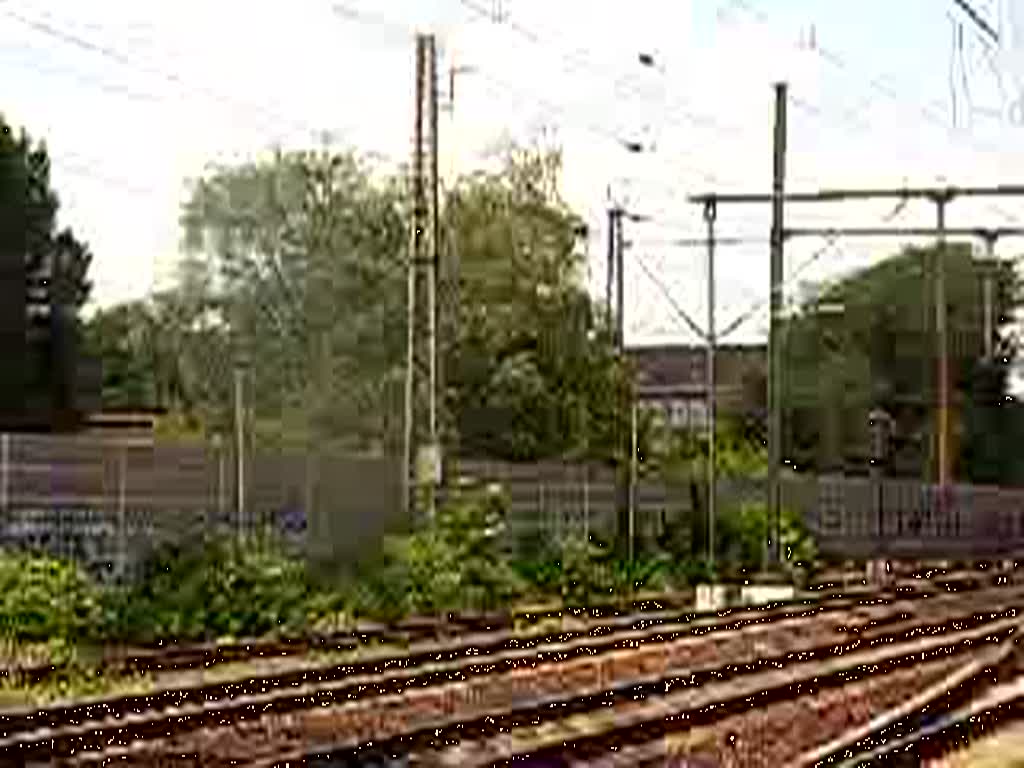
{"points": [[586, 723], [532, 648], [901, 728], [393, 685]]}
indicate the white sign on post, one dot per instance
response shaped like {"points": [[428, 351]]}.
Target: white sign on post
{"points": [[428, 465]]}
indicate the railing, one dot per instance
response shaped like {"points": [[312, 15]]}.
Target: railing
{"points": [[108, 502]]}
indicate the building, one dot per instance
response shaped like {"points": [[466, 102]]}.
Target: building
{"points": [[671, 381]]}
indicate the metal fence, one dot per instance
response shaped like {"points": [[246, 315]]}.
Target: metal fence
{"points": [[110, 502]]}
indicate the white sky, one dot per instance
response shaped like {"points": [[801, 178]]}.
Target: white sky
{"points": [[135, 98]]}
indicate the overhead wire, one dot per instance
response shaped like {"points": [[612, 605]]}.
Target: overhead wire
{"points": [[504, 88], [830, 243], [586, 62], [660, 285], [535, 38], [48, 28], [878, 84]]}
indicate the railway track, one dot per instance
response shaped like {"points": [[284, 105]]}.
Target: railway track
{"points": [[939, 721], [125, 661], [400, 702], [636, 721], [171, 657]]}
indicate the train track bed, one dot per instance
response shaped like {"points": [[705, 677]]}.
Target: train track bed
{"points": [[763, 718], [943, 724], [146, 670], [178, 685], [404, 708], [162, 662]]}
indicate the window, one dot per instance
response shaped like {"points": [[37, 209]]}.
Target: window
{"points": [[698, 414]]}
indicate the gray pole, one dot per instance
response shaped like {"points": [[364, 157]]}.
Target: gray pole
{"points": [[988, 310], [432, 273], [710, 212], [633, 477], [624, 488], [774, 347], [240, 447], [409, 425], [609, 286], [943, 362], [620, 304]]}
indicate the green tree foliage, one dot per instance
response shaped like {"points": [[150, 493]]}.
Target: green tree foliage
{"points": [[228, 588], [743, 531], [304, 258], [453, 563], [533, 375], [993, 424], [124, 337], [684, 453], [28, 228], [297, 263], [46, 600], [53, 264], [867, 341]]}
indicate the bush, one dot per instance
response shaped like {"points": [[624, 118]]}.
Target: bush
{"points": [[743, 532], [582, 572], [229, 588], [44, 599], [455, 563], [648, 572]]}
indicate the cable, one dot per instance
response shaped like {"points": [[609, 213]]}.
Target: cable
{"points": [[830, 242], [668, 297], [696, 119], [588, 64], [877, 83], [50, 30], [592, 126], [976, 17]]}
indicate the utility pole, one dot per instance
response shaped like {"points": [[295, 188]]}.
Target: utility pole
{"points": [[710, 212], [774, 333], [943, 348], [620, 297], [614, 292], [240, 479], [614, 224], [421, 459], [987, 297], [433, 266], [448, 279]]}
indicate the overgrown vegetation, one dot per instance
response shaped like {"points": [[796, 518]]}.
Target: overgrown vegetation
{"points": [[462, 561], [229, 588], [455, 563]]}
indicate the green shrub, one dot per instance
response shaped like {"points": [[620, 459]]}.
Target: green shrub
{"points": [[455, 563], [694, 572], [228, 588], [646, 572], [743, 532], [44, 599], [582, 572]]}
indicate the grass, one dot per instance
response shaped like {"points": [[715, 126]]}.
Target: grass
{"points": [[80, 681]]}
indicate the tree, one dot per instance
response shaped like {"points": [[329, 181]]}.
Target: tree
{"points": [[298, 263], [44, 276], [305, 262], [123, 338], [534, 373], [868, 341]]}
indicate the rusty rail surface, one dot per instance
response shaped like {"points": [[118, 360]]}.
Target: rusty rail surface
{"points": [[127, 661], [402, 705]]}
